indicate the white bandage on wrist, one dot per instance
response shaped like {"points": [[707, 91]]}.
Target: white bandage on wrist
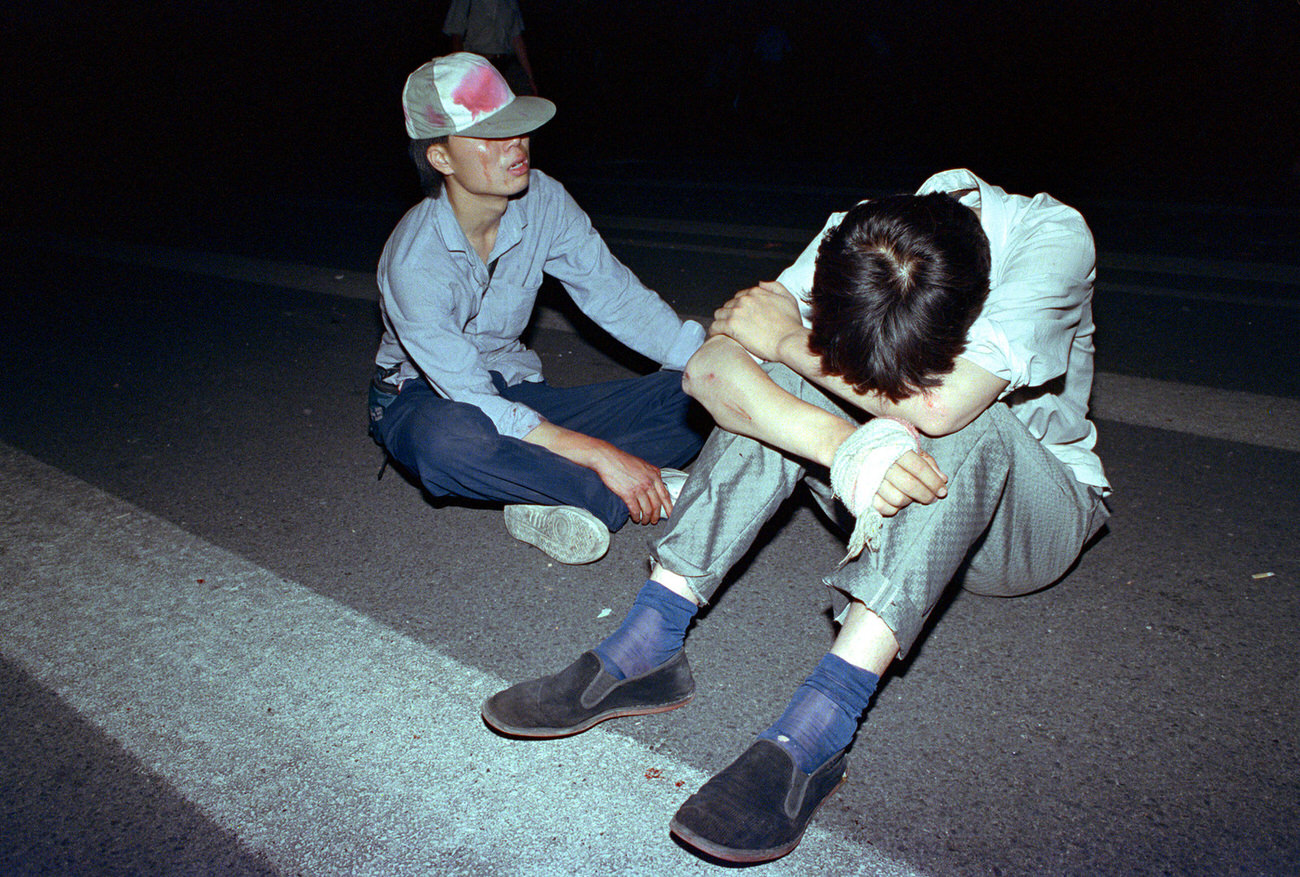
{"points": [[859, 467]]}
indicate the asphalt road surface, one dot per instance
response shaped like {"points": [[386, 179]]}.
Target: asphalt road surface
{"points": [[227, 648]]}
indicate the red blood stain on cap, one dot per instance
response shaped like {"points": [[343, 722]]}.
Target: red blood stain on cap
{"points": [[481, 91]]}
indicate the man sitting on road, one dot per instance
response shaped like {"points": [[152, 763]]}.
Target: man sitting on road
{"points": [[957, 322], [457, 399]]}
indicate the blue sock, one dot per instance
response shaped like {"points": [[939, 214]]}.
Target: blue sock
{"points": [[823, 714], [653, 631]]}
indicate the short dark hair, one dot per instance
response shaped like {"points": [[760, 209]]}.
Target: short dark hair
{"points": [[430, 177], [897, 285]]}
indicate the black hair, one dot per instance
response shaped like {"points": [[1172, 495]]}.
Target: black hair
{"points": [[430, 177], [897, 285]]}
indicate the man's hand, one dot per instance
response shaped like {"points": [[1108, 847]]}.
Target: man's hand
{"points": [[634, 481], [628, 477], [760, 318], [914, 478]]}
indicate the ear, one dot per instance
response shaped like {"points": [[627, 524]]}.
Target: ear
{"points": [[439, 159]]}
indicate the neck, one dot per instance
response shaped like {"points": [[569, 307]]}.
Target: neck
{"points": [[479, 216]]}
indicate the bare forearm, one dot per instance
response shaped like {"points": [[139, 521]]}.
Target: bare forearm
{"points": [[574, 446], [765, 321], [630, 478], [962, 396], [744, 400]]}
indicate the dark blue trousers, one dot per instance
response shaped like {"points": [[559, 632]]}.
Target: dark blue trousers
{"points": [[455, 450]]}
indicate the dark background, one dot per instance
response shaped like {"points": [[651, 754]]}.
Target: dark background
{"points": [[160, 101]]}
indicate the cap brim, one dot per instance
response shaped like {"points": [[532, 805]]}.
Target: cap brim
{"points": [[525, 113]]}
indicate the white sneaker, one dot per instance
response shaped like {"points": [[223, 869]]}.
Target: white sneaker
{"points": [[567, 533]]}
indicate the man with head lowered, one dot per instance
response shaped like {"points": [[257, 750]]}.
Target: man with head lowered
{"points": [[924, 367], [458, 400]]}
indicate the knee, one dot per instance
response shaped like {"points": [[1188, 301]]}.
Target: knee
{"points": [[985, 436], [460, 434]]}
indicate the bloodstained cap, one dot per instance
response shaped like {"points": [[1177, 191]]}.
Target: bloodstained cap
{"points": [[463, 94]]}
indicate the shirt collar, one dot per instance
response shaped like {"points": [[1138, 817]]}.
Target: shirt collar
{"points": [[510, 231], [453, 236], [989, 200]]}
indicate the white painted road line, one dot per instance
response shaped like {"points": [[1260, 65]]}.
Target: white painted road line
{"points": [[322, 739], [1249, 418], [1246, 418]]}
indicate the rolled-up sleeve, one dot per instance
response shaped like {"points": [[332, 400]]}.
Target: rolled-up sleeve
{"points": [[1025, 332]]}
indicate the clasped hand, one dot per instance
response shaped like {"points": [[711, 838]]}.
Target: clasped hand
{"points": [[915, 477], [760, 318]]}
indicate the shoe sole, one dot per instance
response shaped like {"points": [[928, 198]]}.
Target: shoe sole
{"points": [[519, 524], [552, 733], [746, 857]]}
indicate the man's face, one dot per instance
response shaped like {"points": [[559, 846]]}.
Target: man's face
{"points": [[483, 167]]}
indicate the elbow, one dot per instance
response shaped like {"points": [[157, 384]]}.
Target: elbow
{"points": [[693, 378], [711, 380], [937, 421], [702, 378], [931, 414]]}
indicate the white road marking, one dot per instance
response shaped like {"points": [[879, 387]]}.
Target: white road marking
{"points": [[324, 740], [1246, 418]]}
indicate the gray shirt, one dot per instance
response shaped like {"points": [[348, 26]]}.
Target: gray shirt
{"points": [[488, 27], [451, 320]]}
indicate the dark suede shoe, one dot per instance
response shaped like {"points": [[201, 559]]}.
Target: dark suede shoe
{"points": [[584, 695], [757, 808]]}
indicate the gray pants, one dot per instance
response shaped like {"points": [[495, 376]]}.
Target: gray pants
{"points": [[1014, 520]]}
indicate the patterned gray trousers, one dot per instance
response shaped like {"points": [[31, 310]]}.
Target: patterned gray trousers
{"points": [[1014, 520]]}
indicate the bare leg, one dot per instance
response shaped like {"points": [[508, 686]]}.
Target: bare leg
{"points": [[673, 582], [865, 640]]}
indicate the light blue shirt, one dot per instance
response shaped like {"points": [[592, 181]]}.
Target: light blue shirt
{"points": [[448, 319]]}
